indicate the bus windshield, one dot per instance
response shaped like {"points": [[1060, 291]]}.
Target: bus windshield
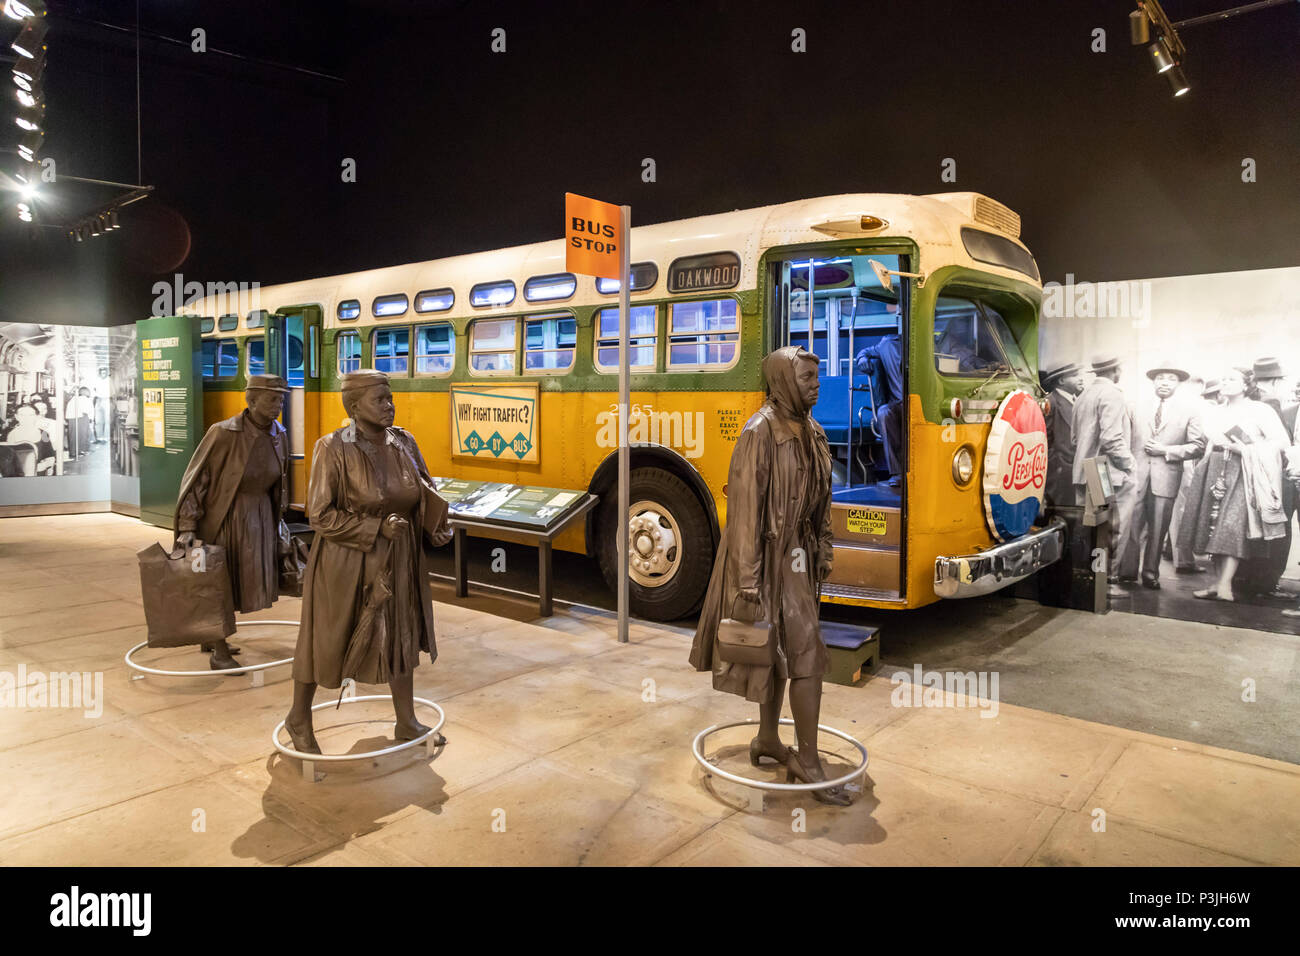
{"points": [[972, 338]]}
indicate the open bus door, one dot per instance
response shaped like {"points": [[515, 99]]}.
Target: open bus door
{"points": [[293, 351], [834, 305]]}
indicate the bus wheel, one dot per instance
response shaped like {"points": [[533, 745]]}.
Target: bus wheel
{"points": [[670, 546]]}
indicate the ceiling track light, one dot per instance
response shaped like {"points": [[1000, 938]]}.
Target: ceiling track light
{"points": [[1161, 56], [28, 73], [1178, 81], [1139, 28], [29, 119], [22, 9], [30, 145], [30, 38]]}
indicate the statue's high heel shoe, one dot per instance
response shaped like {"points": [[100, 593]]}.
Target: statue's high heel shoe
{"points": [[303, 743], [794, 770], [757, 750]]}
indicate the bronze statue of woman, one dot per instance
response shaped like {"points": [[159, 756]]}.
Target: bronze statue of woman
{"points": [[234, 494], [774, 554], [367, 609]]}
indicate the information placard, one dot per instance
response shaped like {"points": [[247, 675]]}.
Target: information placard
{"points": [[498, 502], [171, 409]]}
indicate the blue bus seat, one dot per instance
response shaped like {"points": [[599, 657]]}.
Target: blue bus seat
{"points": [[833, 413]]}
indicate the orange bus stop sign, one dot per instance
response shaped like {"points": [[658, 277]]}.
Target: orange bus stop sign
{"points": [[591, 237]]}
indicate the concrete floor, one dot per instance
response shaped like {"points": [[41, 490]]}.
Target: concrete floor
{"points": [[561, 752], [1132, 670]]}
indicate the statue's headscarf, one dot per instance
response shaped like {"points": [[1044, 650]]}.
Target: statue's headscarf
{"points": [[779, 369]]}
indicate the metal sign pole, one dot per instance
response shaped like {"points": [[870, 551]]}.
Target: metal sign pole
{"points": [[624, 410]]}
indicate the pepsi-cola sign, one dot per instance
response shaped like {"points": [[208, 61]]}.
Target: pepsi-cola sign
{"points": [[1015, 466]]}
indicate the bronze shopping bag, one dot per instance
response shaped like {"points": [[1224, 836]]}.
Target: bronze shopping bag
{"points": [[187, 598]]}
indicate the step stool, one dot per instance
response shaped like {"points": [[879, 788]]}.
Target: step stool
{"points": [[854, 650]]}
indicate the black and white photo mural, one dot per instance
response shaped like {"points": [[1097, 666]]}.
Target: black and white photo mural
{"points": [[69, 432], [1188, 386]]}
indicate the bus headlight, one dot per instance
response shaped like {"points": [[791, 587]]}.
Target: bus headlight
{"points": [[963, 465]]}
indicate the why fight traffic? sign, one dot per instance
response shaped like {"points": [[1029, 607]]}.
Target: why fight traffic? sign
{"points": [[591, 237]]}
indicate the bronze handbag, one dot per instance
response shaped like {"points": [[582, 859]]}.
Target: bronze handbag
{"points": [[746, 642]]}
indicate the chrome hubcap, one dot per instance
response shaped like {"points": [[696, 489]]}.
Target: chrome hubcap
{"points": [[653, 550]]}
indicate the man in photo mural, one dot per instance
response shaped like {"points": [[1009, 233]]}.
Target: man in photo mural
{"points": [[1171, 434], [1102, 425], [78, 415], [1063, 384]]}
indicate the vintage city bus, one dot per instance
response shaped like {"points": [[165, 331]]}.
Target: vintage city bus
{"points": [[946, 274]]}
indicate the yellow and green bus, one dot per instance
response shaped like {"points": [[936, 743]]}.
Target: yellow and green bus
{"points": [[710, 297]]}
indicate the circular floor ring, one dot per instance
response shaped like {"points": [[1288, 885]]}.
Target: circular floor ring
{"points": [[840, 781], [404, 745], [227, 672]]}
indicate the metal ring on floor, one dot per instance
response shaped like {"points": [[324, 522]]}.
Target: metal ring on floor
{"points": [[226, 672], [404, 745], [849, 777]]}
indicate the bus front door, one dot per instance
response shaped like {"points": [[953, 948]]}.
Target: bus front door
{"points": [[834, 306], [293, 338]]}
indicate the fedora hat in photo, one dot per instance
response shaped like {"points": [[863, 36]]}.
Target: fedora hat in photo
{"points": [[1211, 388], [1050, 377], [1267, 367], [272, 383], [1183, 374], [1104, 363]]}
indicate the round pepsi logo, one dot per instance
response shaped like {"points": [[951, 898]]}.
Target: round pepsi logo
{"points": [[1015, 466]]}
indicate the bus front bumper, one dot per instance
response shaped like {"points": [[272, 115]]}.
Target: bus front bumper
{"points": [[970, 575]]}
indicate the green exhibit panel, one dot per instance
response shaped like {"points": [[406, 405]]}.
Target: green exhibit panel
{"points": [[171, 410]]}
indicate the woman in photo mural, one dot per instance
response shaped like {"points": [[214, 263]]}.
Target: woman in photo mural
{"points": [[1234, 502]]}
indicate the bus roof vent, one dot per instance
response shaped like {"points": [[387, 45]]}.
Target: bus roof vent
{"points": [[993, 213], [983, 210]]}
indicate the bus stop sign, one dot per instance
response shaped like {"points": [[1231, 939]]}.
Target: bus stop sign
{"points": [[1015, 466], [592, 236]]}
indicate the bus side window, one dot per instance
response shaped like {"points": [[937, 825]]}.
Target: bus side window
{"points": [[641, 338], [392, 348], [492, 345], [435, 349], [257, 356], [549, 342], [220, 359], [348, 346], [703, 334]]}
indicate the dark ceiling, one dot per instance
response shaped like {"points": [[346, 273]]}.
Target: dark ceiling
{"points": [[460, 149]]}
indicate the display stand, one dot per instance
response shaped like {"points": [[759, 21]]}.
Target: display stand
{"points": [[753, 792], [543, 538], [255, 672], [432, 740]]}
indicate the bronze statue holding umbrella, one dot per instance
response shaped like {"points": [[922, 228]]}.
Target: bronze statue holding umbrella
{"points": [[367, 609]]}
